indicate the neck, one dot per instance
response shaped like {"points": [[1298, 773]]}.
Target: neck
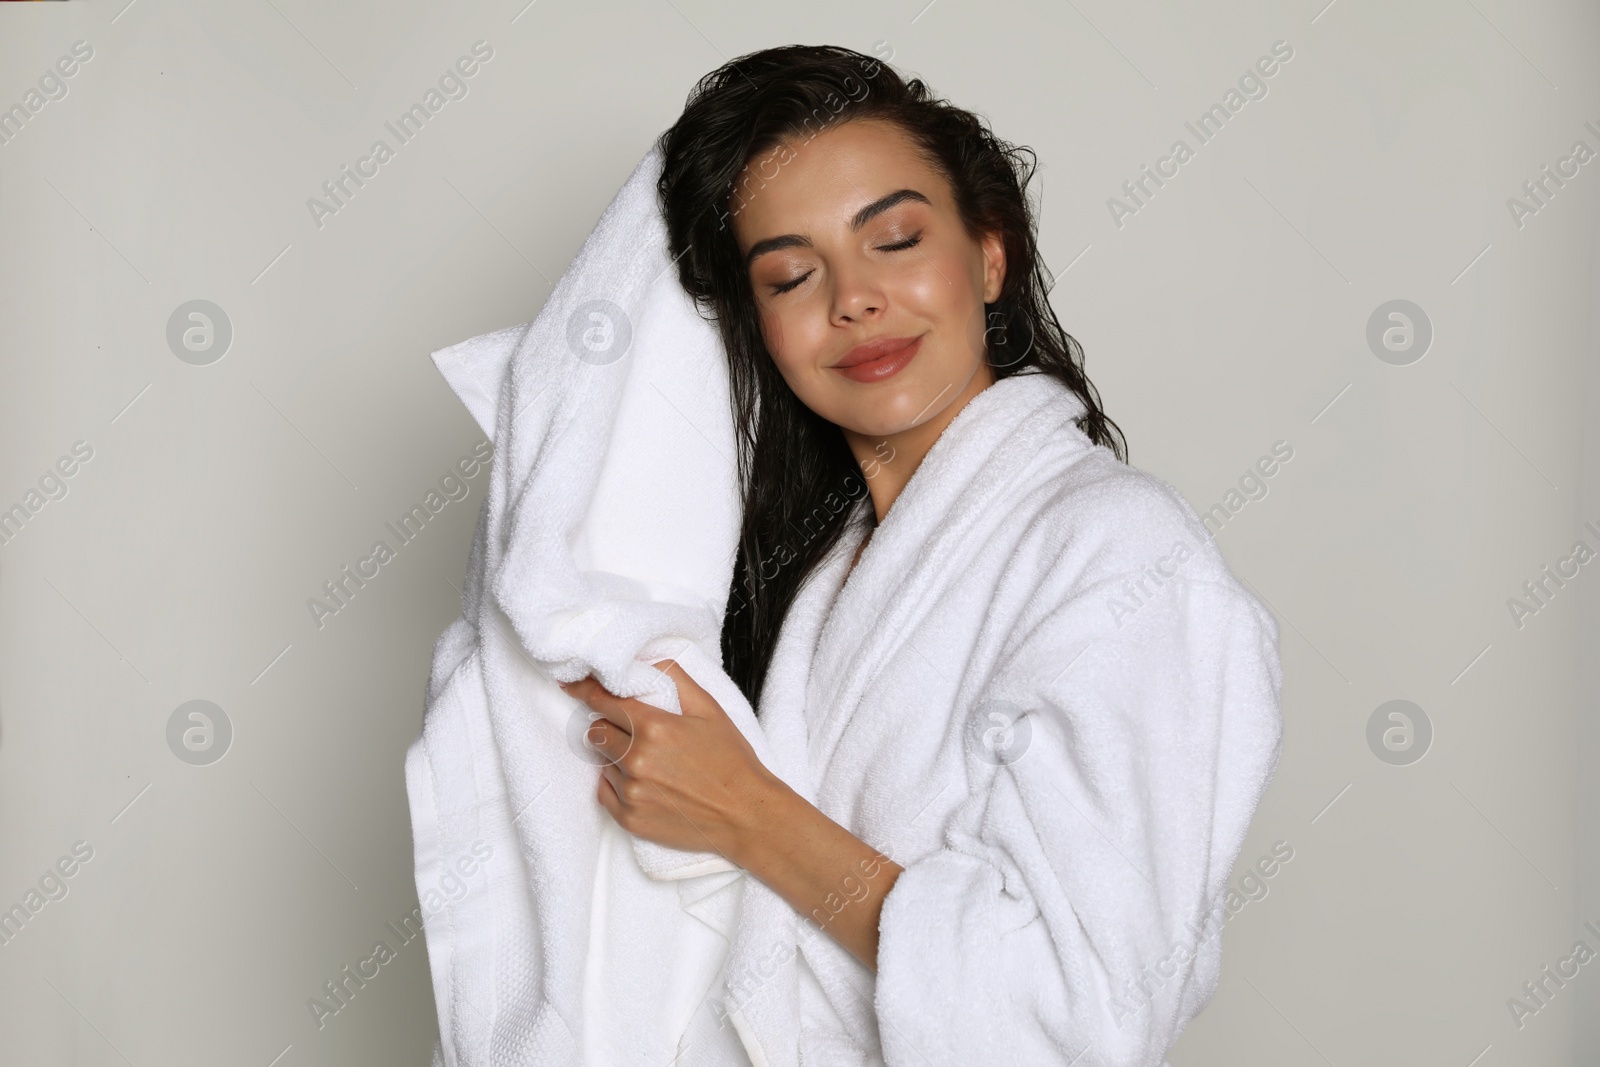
{"points": [[888, 462]]}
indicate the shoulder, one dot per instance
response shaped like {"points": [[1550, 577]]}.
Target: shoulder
{"points": [[1110, 543], [1107, 513], [1101, 520]]}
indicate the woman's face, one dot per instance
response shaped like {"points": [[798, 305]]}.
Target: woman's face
{"points": [[856, 239]]}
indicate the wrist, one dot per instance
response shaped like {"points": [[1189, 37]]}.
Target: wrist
{"points": [[769, 811]]}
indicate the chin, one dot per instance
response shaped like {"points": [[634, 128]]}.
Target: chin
{"points": [[889, 407]]}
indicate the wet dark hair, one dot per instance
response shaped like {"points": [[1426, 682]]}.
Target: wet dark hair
{"points": [[797, 475]]}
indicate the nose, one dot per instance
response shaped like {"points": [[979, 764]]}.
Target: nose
{"points": [[857, 296]]}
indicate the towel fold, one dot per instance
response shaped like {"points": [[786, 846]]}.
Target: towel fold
{"points": [[605, 543]]}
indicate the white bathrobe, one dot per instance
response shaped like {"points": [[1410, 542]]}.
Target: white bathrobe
{"points": [[1043, 693]]}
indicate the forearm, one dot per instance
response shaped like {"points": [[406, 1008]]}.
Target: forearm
{"points": [[821, 869]]}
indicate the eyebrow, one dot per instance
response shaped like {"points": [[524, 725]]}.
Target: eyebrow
{"points": [[858, 220]]}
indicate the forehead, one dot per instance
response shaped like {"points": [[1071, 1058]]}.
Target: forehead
{"points": [[811, 187]]}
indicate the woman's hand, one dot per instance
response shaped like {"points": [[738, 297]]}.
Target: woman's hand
{"points": [[693, 782], [687, 781]]}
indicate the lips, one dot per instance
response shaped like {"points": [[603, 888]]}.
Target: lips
{"points": [[879, 359]]}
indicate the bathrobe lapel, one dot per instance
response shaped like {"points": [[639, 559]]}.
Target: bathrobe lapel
{"points": [[939, 520]]}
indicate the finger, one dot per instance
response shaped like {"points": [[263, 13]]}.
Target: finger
{"points": [[680, 677], [607, 795], [675, 669], [602, 701], [608, 739], [692, 697]]}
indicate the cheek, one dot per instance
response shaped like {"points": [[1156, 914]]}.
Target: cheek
{"points": [[942, 288], [945, 294], [772, 331], [785, 344]]}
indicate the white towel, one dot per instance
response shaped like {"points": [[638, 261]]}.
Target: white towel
{"points": [[606, 542], [1061, 895]]}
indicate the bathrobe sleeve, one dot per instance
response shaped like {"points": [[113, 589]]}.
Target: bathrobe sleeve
{"points": [[1074, 912]]}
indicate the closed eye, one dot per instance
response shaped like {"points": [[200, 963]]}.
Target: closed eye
{"points": [[910, 242]]}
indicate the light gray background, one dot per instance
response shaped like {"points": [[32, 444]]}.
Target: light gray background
{"points": [[1229, 313]]}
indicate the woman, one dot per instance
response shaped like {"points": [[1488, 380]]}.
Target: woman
{"points": [[1042, 627]]}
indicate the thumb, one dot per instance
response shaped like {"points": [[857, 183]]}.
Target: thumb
{"points": [[693, 699]]}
